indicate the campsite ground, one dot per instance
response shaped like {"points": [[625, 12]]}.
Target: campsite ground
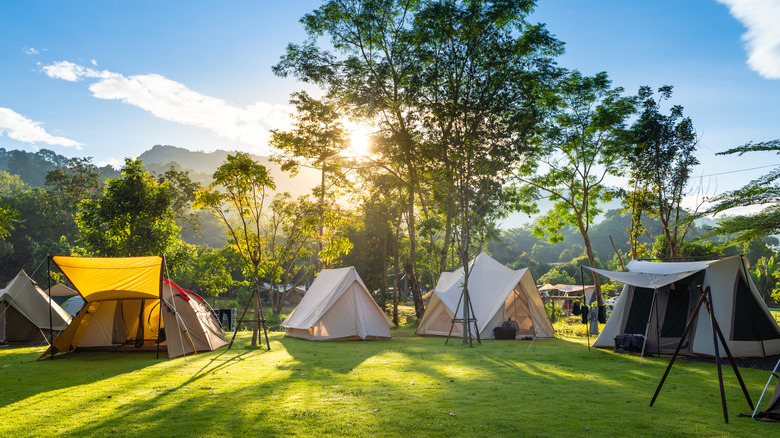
{"points": [[403, 386]]}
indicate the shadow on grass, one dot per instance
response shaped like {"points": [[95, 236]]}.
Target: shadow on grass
{"points": [[391, 387]]}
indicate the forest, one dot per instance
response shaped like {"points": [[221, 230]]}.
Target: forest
{"points": [[471, 120]]}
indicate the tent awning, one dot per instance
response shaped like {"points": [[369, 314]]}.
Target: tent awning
{"points": [[119, 278], [644, 279]]}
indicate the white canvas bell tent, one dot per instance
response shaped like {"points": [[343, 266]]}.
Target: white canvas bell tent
{"points": [[123, 298], [659, 298], [24, 313], [497, 295], [337, 306]]}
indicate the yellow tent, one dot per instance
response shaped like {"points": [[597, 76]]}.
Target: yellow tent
{"points": [[122, 309]]}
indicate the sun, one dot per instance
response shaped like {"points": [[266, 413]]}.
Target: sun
{"points": [[360, 140]]}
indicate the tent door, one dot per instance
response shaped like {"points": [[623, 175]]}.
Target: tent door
{"points": [[675, 308]]}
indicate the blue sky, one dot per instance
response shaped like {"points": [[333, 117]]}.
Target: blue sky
{"points": [[110, 79]]}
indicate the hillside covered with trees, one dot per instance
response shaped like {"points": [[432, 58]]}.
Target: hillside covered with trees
{"points": [[472, 119]]}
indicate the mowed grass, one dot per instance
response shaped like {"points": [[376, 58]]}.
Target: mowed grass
{"points": [[405, 386]]}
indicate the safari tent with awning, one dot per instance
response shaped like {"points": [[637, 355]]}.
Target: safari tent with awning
{"points": [[25, 315], [129, 306], [497, 293], [659, 298]]}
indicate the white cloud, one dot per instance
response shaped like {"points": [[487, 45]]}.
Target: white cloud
{"points": [[763, 33], [25, 130], [116, 163], [31, 50], [93, 62], [175, 102]]}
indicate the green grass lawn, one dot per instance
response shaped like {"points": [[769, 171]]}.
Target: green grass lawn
{"points": [[406, 386]]}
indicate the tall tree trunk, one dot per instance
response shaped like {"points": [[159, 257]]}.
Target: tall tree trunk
{"points": [[592, 263], [397, 269], [257, 312], [321, 227], [445, 248], [410, 224]]}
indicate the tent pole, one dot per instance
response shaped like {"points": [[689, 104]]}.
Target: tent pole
{"points": [[240, 320], [679, 346], [647, 328], [51, 324], [708, 294], [476, 328], [769, 380], [159, 313], [752, 307], [730, 356], [454, 318]]}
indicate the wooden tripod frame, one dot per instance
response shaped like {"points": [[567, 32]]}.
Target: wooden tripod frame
{"points": [[706, 299], [468, 318], [258, 319]]}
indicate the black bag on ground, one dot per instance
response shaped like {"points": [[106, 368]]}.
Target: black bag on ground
{"points": [[504, 332]]}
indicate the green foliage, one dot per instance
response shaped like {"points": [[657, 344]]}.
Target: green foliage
{"points": [[660, 169], [554, 276], [700, 249], [763, 191], [237, 196], [133, 218]]}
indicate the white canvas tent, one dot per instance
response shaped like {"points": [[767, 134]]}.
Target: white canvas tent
{"points": [[337, 306], [658, 299], [497, 294], [24, 313]]}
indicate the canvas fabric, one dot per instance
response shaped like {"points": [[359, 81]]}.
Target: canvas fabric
{"points": [[337, 306], [772, 412], [658, 299], [497, 293], [132, 316], [25, 312]]}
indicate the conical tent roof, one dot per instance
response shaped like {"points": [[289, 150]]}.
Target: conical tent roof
{"points": [[337, 306], [497, 294], [30, 301]]}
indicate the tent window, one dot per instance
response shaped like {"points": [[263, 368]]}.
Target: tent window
{"points": [[640, 311], [750, 321], [676, 315]]}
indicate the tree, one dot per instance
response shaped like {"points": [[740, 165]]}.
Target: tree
{"points": [[316, 140], [73, 181], [133, 218], [763, 192], [660, 169], [185, 191], [373, 78], [480, 68], [288, 232], [209, 271], [583, 142], [237, 196], [555, 276]]}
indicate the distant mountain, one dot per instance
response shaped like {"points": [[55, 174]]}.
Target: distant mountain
{"points": [[33, 166], [201, 165]]}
